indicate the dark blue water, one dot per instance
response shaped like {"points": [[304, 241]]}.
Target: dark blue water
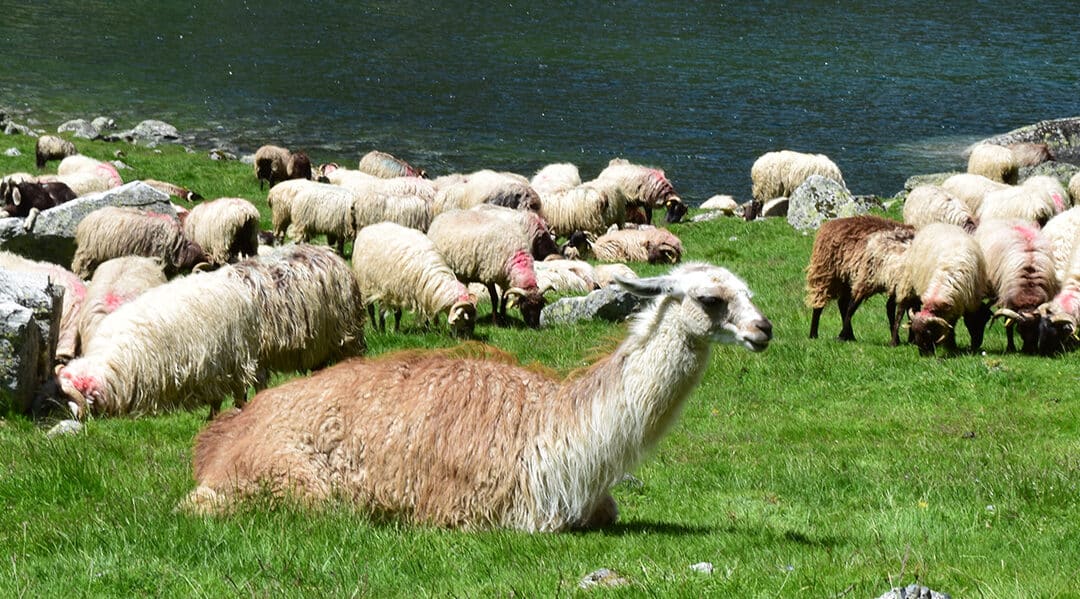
{"points": [[886, 89]]}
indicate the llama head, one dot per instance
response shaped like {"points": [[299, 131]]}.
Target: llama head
{"points": [[714, 304]]}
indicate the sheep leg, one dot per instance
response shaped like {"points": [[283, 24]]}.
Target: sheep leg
{"points": [[890, 313], [1010, 346], [815, 319], [976, 325], [898, 316], [397, 320], [846, 333], [497, 308]]}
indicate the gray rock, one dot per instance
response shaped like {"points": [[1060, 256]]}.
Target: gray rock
{"points": [[1062, 171], [30, 310], [16, 129], [775, 207], [12, 152], [159, 131], [603, 577], [65, 427], [1061, 135], [710, 215], [219, 154], [103, 123], [52, 237], [80, 128], [927, 179], [819, 199], [247, 159], [611, 303], [913, 591]]}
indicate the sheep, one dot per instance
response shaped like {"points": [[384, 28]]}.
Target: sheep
{"points": [[487, 187], [927, 204], [482, 248], [112, 232], [52, 147], [67, 341], [387, 166], [541, 240], [565, 276], [115, 283], [555, 178], [174, 190], [310, 307], [362, 183], [1063, 232], [312, 208], [655, 246], [1030, 154], [994, 162], [445, 438], [645, 188], [79, 163], [1020, 276], [26, 199], [274, 164], [1074, 189], [778, 174], [400, 268], [590, 207], [407, 210], [945, 274], [1059, 319], [1037, 199], [607, 274], [227, 229], [971, 189], [180, 345], [853, 259]]}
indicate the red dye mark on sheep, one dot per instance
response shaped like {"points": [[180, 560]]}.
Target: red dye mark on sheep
{"points": [[1068, 301], [521, 269], [1028, 232], [113, 301], [83, 383], [1059, 202]]}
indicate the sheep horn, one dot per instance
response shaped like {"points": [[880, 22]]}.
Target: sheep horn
{"points": [[200, 267], [1061, 318], [1010, 315], [512, 296]]}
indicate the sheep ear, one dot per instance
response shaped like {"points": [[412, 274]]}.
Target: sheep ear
{"points": [[650, 287], [16, 197]]}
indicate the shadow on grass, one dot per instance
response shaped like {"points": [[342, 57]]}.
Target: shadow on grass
{"points": [[639, 526]]}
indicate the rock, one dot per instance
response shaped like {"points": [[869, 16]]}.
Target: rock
{"points": [[52, 237], [80, 128], [1061, 135], [219, 154], [156, 130], [775, 207], [927, 179], [603, 577], [65, 427], [704, 567], [820, 199], [17, 129], [12, 152], [704, 216], [103, 123], [723, 203], [1062, 171], [610, 303], [30, 310], [913, 591], [247, 159]]}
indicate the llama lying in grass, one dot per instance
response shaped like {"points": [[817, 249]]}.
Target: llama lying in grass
{"points": [[477, 443]]}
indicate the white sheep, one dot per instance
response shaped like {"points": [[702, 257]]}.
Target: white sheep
{"points": [[535, 228], [406, 209], [1059, 326], [994, 162], [227, 229], [468, 439], [1037, 199], [608, 274], [362, 183], [591, 207], [312, 208], [655, 246], [1074, 189], [944, 274], [115, 283], [778, 174], [400, 268], [386, 166], [79, 163], [52, 147], [970, 189], [555, 178], [1020, 276], [645, 188], [1063, 233], [487, 187], [565, 276], [112, 232], [67, 342], [927, 204]]}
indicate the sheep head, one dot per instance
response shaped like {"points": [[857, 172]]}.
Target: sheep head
{"points": [[664, 253], [676, 209], [462, 319], [1027, 324], [1056, 330], [928, 331], [530, 302]]}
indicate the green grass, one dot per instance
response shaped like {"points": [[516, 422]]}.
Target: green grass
{"points": [[816, 468]]}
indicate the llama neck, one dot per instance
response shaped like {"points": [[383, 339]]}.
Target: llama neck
{"points": [[607, 419]]}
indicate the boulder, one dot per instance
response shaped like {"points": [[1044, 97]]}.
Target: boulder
{"points": [[927, 179], [12, 152], [1061, 135], [30, 311], [611, 303], [80, 128], [52, 236], [820, 199], [1062, 171], [723, 203], [103, 123]]}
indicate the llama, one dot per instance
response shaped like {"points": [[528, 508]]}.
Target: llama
{"points": [[473, 442]]}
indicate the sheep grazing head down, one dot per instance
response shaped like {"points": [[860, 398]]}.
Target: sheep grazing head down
{"points": [[929, 331], [676, 209], [1028, 324], [462, 318], [1057, 331], [531, 303]]}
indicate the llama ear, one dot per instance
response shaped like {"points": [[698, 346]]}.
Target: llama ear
{"points": [[650, 287]]}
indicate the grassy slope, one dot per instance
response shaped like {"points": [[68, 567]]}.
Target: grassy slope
{"points": [[816, 468]]}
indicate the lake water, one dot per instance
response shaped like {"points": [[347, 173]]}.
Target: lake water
{"points": [[886, 89]]}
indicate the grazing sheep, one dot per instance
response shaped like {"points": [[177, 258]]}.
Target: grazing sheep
{"points": [[52, 147], [555, 178], [853, 259], [971, 189], [927, 204], [274, 164], [1060, 317], [312, 208], [1020, 276], [994, 162], [778, 174], [542, 241], [945, 273], [174, 190], [487, 187], [78, 163], [1063, 233], [310, 309], [590, 207], [387, 166], [115, 283], [565, 276], [1037, 200], [112, 232], [480, 247], [67, 341], [227, 229], [400, 268], [655, 246], [449, 439], [645, 188], [406, 209], [362, 183], [1030, 154], [180, 345]]}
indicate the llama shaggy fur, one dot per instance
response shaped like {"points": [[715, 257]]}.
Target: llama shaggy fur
{"points": [[1063, 233], [180, 345], [927, 204], [555, 178], [312, 208], [487, 187], [971, 189], [226, 228], [1037, 200], [655, 246], [112, 232], [994, 162], [853, 259], [473, 442], [115, 283], [387, 166], [778, 174], [400, 268], [1020, 275], [67, 340], [645, 188], [52, 147], [945, 273], [482, 248]]}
